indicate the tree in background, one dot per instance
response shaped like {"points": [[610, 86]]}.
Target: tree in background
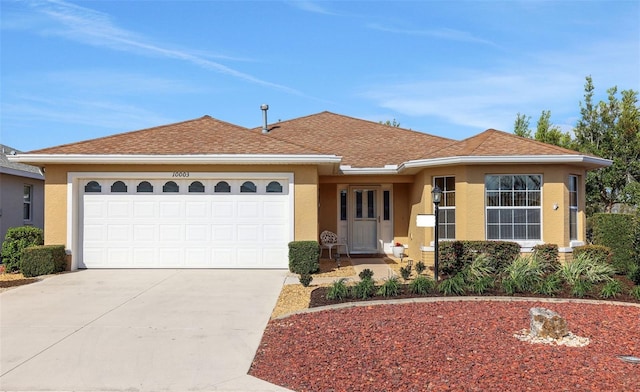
{"points": [[521, 125], [546, 132], [390, 123], [611, 130]]}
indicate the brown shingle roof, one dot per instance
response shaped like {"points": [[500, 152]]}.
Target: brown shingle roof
{"points": [[361, 143], [493, 143], [204, 135]]}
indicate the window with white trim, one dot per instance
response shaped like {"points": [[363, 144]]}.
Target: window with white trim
{"points": [[513, 207], [26, 203], [447, 207], [573, 208]]}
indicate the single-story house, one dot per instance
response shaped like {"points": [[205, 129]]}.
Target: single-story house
{"points": [[205, 193], [21, 193]]}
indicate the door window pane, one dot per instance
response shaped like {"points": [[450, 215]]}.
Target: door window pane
{"points": [[170, 187], [119, 187], [144, 187], [248, 187], [222, 187], [92, 186], [196, 187]]}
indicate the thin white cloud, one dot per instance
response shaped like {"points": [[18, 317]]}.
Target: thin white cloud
{"points": [[441, 33], [310, 6], [95, 28]]}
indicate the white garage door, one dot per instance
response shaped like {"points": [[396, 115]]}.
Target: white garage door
{"points": [[186, 223]]}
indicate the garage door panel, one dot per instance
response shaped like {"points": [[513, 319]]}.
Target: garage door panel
{"points": [[171, 232], [248, 233], [185, 230], [144, 209]]}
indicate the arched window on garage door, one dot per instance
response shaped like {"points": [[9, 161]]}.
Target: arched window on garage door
{"points": [[274, 187], [144, 187], [93, 187], [119, 187], [222, 187], [248, 187], [196, 186], [170, 187]]}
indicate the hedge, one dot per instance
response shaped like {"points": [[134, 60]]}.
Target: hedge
{"points": [[599, 253], [17, 239], [455, 255], [42, 260], [304, 257], [616, 231]]}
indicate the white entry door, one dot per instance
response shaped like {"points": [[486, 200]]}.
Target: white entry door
{"points": [[364, 219]]}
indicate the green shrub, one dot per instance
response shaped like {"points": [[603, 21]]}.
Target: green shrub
{"points": [[363, 289], [42, 260], [597, 252], [456, 255], [15, 241], [586, 268], [405, 272], [616, 231], [453, 286], [420, 267], [634, 275], [581, 288], [338, 289], [550, 285], [635, 292], [611, 289], [547, 254], [304, 257], [365, 274], [523, 275], [390, 287], [422, 285], [305, 279], [478, 275]]}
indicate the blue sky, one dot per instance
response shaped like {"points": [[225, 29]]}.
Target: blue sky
{"points": [[77, 70]]}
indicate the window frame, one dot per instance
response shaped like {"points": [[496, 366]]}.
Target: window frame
{"points": [[27, 203], [574, 182], [531, 211], [446, 228]]}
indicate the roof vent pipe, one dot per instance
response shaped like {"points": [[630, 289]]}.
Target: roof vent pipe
{"points": [[264, 107]]}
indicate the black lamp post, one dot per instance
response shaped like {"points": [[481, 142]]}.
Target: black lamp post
{"points": [[437, 196]]}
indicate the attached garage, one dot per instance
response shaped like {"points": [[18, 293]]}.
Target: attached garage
{"points": [[184, 220]]}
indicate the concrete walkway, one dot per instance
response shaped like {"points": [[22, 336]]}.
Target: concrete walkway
{"points": [[380, 271], [137, 330]]}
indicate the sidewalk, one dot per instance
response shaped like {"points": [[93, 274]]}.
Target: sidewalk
{"points": [[380, 271]]}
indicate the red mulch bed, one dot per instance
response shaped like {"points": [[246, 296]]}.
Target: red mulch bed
{"points": [[449, 346]]}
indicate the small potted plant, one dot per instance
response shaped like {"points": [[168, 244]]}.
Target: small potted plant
{"points": [[398, 250]]}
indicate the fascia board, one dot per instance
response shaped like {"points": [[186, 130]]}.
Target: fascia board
{"points": [[508, 159], [388, 169], [21, 173], [176, 159]]}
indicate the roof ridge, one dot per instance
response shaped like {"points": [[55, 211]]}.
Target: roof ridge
{"points": [[143, 130]]}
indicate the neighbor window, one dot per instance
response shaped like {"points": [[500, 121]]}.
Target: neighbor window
{"points": [[26, 203], [573, 208], [513, 207], [447, 208]]}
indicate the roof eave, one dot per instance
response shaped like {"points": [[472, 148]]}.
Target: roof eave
{"points": [[22, 173], [232, 159], [586, 161], [387, 169]]}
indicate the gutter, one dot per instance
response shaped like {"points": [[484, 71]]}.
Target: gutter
{"points": [[233, 159]]}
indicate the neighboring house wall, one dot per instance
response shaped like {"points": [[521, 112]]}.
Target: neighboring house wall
{"points": [[12, 202]]}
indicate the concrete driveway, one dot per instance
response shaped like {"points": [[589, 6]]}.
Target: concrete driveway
{"points": [[136, 330]]}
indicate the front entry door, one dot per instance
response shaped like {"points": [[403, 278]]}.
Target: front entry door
{"points": [[364, 220]]}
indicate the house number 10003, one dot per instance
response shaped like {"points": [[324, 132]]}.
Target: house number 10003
{"points": [[180, 174]]}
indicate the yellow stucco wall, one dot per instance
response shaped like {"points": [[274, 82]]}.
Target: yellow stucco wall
{"points": [[305, 192]]}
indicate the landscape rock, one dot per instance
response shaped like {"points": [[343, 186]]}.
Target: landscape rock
{"points": [[546, 323]]}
